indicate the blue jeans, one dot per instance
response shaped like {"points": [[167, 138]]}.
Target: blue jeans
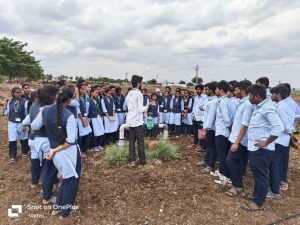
{"points": [[260, 161], [236, 165], [36, 170]]}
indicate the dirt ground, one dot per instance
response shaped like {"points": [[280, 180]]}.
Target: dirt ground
{"points": [[172, 193]]}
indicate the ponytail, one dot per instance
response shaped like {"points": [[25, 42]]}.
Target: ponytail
{"points": [[61, 133], [63, 96]]}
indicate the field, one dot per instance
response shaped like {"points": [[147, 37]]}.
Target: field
{"points": [[171, 193]]}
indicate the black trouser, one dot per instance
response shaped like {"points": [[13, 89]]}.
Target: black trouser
{"points": [[275, 169], [236, 164], [13, 148], [197, 125], [222, 147], [137, 134], [36, 170], [210, 154], [260, 161], [84, 142], [68, 191], [49, 178]]}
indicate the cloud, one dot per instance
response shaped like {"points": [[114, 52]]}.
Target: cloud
{"points": [[227, 38]]}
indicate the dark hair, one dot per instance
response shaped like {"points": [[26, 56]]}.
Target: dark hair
{"points": [[154, 94], [25, 84], [14, 89], [280, 89], [46, 94], [178, 92], [118, 89], [258, 89], [32, 98], [288, 86], [63, 95], [107, 90], [231, 89], [167, 92], [187, 91], [232, 83], [264, 81], [243, 85], [81, 80], [93, 89], [111, 87], [135, 80], [199, 86], [211, 86], [168, 87], [61, 83], [80, 85], [223, 85]]}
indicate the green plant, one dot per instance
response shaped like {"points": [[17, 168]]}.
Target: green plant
{"points": [[164, 150]]}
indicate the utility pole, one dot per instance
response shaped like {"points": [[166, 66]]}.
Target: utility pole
{"points": [[126, 80], [196, 68]]}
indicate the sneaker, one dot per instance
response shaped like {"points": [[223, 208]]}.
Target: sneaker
{"points": [[215, 173], [223, 181], [96, 149], [270, 194], [100, 148], [207, 170], [198, 149], [12, 160], [284, 186], [201, 163], [177, 137], [24, 156]]}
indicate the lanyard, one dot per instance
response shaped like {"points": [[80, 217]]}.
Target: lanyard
{"points": [[16, 106]]}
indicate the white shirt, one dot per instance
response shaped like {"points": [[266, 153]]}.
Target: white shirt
{"points": [[135, 107]]}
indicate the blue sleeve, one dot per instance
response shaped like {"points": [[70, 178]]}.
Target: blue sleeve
{"points": [[286, 119], [247, 115], [38, 122], [274, 120], [74, 103], [103, 106], [225, 112], [71, 130]]}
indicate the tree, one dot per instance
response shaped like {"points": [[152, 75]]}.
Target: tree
{"points": [[200, 80], [16, 62], [190, 84], [152, 81], [63, 77], [182, 82]]}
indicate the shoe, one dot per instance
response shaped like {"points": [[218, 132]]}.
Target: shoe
{"points": [[96, 149], [24, 156], [223, 181], [201, 163], [215, 173], [207, 170], [270, 194], [198, 149], [33, 186], [11, 161], [284, 186]]}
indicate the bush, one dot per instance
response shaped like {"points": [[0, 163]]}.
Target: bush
{"points": [[164, 150], [1, 79]]}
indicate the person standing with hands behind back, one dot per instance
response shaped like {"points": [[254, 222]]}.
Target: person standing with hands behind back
{"points": [[135, 120]]}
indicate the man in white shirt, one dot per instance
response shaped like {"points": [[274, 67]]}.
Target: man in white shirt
{"points": [[134, 119]]}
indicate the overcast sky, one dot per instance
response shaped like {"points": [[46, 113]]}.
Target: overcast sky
{"points": [[228, 39]]}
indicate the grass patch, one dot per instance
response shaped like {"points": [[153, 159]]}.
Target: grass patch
{"points": [[164, 151]]}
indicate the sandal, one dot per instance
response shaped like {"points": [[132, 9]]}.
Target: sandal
{"points": [[233, 192], [247, 197], [251, 207]]}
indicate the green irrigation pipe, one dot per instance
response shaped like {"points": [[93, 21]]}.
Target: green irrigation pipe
{"points": [[285, 218]]}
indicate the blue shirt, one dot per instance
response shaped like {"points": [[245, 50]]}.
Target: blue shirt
{"points": [[210, 113], [242, 117], [286, 115], [264, 123], [224, 116], [295, 108], [200, 100]]}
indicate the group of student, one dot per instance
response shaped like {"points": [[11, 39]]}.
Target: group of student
{"points": [[231, 122]]}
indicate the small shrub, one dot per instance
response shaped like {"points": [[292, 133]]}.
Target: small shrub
{"points": [[164, 150]]}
